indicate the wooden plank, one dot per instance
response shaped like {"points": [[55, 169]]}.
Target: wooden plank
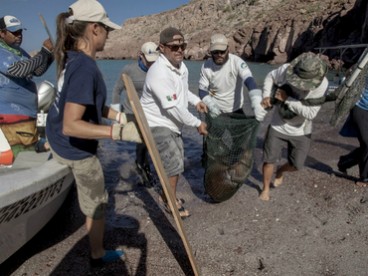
{"points": [[155, 156]]}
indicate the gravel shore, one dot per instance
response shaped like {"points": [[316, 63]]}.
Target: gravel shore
{"points": [[315, 223]]}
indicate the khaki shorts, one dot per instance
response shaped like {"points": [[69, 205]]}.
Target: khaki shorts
{"points": [[24, 133], [171, 149], [89, 178]]}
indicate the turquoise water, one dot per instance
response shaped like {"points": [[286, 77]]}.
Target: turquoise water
{"points": [[111, 70]]}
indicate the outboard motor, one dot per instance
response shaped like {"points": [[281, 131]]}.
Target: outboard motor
{"points": [[46, 95]]}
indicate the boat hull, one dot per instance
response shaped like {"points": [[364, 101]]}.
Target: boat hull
{"points": [[29, 198]]}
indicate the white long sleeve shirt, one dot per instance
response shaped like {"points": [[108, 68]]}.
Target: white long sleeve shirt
{"points": [[302, 123], [166, 96]]}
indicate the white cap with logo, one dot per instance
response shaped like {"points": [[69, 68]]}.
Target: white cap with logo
{"points": [[149, 50], [218, 42], [91, 11], [10, 23]]}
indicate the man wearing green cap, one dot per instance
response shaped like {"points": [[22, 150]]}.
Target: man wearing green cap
{"points": [[304, 78]]}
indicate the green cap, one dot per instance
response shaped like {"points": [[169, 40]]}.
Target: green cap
{"points": [[306, 72]]}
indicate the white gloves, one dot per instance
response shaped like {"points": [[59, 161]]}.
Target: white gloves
{"points": [[128, 132], [212, 106], [116, 107], [256, 99], [121, 118]]}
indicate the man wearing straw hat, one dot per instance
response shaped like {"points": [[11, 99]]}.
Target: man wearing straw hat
{"points": [[304, 78]]}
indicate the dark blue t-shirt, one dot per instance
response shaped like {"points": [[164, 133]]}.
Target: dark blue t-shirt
{"points": [[83, 84]]}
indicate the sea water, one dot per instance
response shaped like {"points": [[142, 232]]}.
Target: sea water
{"points": [[118, 158], [111, 70]]}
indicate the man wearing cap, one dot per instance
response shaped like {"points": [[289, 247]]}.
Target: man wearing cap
{"points": [[302, 79], [137, 71], [221, 85], [222, 80], [18, 92], [165, 102]]}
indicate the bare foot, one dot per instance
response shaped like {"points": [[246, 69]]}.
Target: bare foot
{"points": [[278, 179], [265, 195], [361, 184]]}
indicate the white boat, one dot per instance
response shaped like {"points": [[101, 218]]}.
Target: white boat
{"points": [[32, 190]]}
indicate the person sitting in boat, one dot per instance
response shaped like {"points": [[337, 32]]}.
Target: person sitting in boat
{"points": [[18, 92]]}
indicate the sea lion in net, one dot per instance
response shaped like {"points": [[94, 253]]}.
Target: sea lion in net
{"points": [[228, 153]]}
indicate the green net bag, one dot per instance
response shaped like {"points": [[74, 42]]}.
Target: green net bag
{"points": [[228, 153], [350, 91]]}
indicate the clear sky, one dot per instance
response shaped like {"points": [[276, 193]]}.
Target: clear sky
{"points": [[28, 11]]}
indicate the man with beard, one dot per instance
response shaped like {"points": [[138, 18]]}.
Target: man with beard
{"points": [[232, 133], [222, 80]]}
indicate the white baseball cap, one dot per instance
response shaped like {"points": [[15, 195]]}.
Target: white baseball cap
{"points": [[10, 23], [91, 11], [149, 50], [218, 42]]}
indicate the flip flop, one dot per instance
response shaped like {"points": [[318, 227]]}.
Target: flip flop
{"points": [[182, 211], [180, 201]]}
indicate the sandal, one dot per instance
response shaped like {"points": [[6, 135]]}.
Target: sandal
{"points": [[180, 201], [184, 213]]}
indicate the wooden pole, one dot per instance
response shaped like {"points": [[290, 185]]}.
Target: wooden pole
{"points": [[155, 156], [47, 29]]}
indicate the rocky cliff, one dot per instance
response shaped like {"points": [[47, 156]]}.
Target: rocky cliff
{"points": [[273, 31]]}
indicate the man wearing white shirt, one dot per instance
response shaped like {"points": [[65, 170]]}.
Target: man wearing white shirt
{"points": [[302, 79], [165, 102], [222, 81]]}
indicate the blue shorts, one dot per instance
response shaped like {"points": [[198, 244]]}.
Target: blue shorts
{"points": [[298, 148], [171, 149]]}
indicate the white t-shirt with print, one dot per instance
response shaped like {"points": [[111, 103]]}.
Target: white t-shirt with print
{"points": [[225, 83]]}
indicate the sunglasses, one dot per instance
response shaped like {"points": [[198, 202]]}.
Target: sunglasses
{"points": [[16, 33], [107, 28], [175, 47], [218, 52]]}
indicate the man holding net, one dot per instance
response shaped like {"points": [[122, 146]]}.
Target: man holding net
{"points": [[228, 150], [165, 102], [304, 78]]}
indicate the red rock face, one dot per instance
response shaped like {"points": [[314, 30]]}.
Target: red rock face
{"points": [[273, 31]]}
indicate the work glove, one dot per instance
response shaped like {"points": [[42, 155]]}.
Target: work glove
{"points": [[116, 107], [213, 109], [256, 99], [128, 132], [121, 118]]}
